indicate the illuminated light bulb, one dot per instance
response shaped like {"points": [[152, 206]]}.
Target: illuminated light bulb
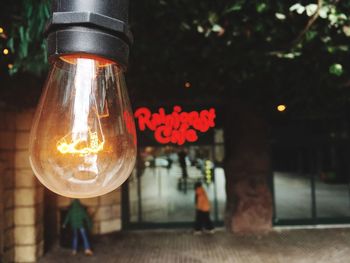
{"points": [[1, 30], [188, 85], [10, 66], [6, 51], [281, 108], [83, 138]]}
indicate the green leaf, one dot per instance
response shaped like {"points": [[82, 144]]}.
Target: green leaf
{"points": [[280, 16], [216, 28], [21, 33], [47, 10], [323, 13], [10, 44], [298, 8], [235, 7], [213, 18], [200, 29], [261, 7], [29, 11], [331, 49], [311, 9], [333, 19], [336, 69], [310, 35], [185, 26], [344, 48]]}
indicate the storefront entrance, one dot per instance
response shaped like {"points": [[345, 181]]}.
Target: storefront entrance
{"points": [[161, 190]]}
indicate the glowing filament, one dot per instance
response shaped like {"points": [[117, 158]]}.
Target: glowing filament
{"points": [[94, 145]]}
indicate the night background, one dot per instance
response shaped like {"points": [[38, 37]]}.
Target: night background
{"points": [[277, 75]]}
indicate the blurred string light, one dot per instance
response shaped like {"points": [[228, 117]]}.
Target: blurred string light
{"points": [[2, 33], [10, 66], [281, 108], [188, 84], [5, 51]]}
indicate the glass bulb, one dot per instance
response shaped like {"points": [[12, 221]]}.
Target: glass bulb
{"points": [[83, 138]]}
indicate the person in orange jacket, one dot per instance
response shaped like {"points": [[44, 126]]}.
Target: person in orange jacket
{"points": [[202, 210]]}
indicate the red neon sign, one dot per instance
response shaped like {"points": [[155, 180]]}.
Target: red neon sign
{"points": [[177, 127]]}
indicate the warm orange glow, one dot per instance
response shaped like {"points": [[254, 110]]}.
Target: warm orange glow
{"points": [[6, 51], [105, 112], [281, 108], [82, 143], [81, 147], [10, 66], [72, 59], [188, 85], [1, 30]]}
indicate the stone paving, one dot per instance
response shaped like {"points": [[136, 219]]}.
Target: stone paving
{"points": [[287, 246]]}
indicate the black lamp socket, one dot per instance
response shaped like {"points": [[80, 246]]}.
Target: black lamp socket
{"points": [[94, 27]]}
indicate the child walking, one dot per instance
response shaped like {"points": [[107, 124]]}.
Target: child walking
{"points": [[76, 217]]}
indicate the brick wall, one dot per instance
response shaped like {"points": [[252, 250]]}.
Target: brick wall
{"points": [[28, 201], [21, 231], [7, 145]]}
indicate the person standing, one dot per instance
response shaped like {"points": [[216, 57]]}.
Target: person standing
{"points": [[77, 217], [202, 220]]}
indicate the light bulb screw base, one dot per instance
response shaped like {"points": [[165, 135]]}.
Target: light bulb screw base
{"points": [[90, 27]]}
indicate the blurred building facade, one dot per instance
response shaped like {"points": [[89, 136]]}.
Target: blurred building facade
{"points": [[30, 215], [309, 183]]}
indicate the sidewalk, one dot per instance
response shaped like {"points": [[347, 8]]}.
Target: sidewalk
{"points": [[297, 246]]}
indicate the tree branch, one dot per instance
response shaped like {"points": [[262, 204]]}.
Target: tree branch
{"points": [[311, 21]]}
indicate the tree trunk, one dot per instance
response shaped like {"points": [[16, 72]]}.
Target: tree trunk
{"points": [[247, 169]]}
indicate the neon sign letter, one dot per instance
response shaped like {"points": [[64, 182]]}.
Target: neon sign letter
{"points": [[177, 127]]}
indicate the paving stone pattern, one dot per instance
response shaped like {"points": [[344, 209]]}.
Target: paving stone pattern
{"points": [[287, 246]]}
